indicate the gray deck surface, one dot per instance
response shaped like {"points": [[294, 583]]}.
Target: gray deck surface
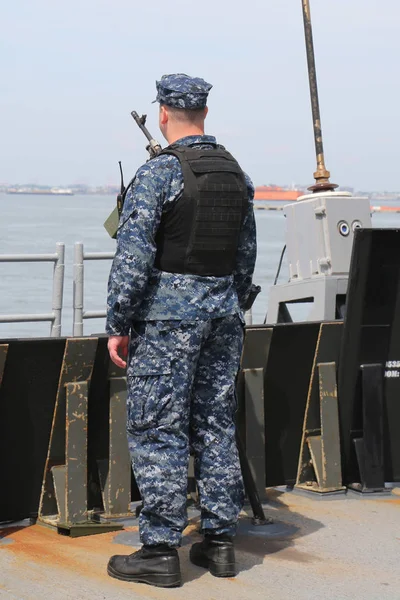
{"points": [[338, 549]]}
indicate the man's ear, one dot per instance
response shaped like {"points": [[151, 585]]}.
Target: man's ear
{"points": [[205, 111], [163, 115]]}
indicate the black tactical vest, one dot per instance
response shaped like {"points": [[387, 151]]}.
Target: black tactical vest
{"points": [[199, 235]]}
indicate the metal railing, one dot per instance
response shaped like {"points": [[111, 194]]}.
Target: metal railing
{"points": [[79, 314], [58, 288]]}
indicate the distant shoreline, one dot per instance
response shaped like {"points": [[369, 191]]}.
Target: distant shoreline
{"points": [[40, 193]]}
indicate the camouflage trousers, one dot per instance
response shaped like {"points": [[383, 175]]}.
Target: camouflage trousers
{"points": [[181, 398]]}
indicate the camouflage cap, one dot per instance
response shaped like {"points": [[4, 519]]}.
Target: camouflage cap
{"points": [[182, 91]]}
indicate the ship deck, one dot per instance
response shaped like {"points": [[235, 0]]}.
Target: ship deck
{"points": [[342, 548]]}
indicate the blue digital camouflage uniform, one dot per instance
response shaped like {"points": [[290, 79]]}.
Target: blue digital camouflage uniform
{"points": [[186, 341]]}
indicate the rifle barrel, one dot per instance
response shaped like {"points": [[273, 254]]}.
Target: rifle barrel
{"points": [[140, 122]]}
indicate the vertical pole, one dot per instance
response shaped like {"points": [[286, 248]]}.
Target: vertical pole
{"points": [[330, 433], [321, 175], [255, 426], [250, 485], [76, 451], [373, 450], [58, 290], [78, 290]]}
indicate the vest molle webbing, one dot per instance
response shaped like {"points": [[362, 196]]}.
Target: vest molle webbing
{"points": [[199, 235]]}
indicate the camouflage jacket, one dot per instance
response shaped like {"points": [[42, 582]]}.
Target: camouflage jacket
{"points": [[137, 291]]}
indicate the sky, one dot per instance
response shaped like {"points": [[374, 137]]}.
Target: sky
{"points": [[71, 73]]}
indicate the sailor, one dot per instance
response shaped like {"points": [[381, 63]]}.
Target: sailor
{"points": [[186, 249]]}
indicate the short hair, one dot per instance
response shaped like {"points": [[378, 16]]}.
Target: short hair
{"points": [[185, 115]]}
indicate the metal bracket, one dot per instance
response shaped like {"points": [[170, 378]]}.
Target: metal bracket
{"points": [[251, 395], [369, 447], [63, 501], [320, 460], [255, 426], [250, 436], [320, 450], [115, 471]]}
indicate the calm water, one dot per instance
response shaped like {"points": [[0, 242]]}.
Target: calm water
{"points": [[34, 224]]}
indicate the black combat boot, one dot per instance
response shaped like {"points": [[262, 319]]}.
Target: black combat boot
{"points": [[155, 565], [216, 553]]}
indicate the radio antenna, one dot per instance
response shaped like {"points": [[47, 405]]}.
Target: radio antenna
{"points": [[322, 175]]}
